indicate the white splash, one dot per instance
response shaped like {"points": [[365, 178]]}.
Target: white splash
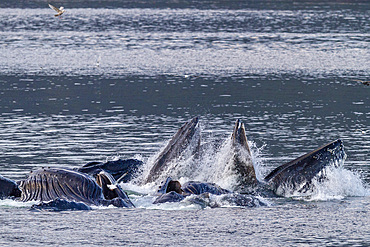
{"points": [[219, 166], [214, 165], [258, 160], [182, 167], [339, 183]]}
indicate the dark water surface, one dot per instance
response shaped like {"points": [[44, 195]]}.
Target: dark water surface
{"points": [[118, 78]]}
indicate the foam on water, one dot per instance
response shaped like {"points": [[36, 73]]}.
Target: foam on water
{"points": [[136, 189], [16, 204], [146, 202]]}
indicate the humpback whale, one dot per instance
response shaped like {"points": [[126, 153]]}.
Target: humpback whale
{"points": [[296, 175], [8, 188], [60, 205], [121, 170], [51, 184], [200, 193]]}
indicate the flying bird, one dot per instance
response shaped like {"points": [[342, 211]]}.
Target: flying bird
{"points": [[366, 83], [60, 10]]}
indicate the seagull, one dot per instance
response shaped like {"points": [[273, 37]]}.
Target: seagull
{"points": [[362, 131], [366, 83], [60, 10]]}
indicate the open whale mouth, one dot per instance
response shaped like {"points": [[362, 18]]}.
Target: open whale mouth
{"points": [[187, 137], [297, 175]]}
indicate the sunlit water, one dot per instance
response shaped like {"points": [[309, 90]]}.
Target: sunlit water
{"points": [[111, 80]]}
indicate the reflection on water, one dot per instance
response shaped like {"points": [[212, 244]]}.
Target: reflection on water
{"points": [[114, 42]]}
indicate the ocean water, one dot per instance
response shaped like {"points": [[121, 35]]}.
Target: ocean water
{"points": [[116, 79]]}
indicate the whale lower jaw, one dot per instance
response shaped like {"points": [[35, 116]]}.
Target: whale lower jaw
{"points": [[297, 175], [180, 142]]}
